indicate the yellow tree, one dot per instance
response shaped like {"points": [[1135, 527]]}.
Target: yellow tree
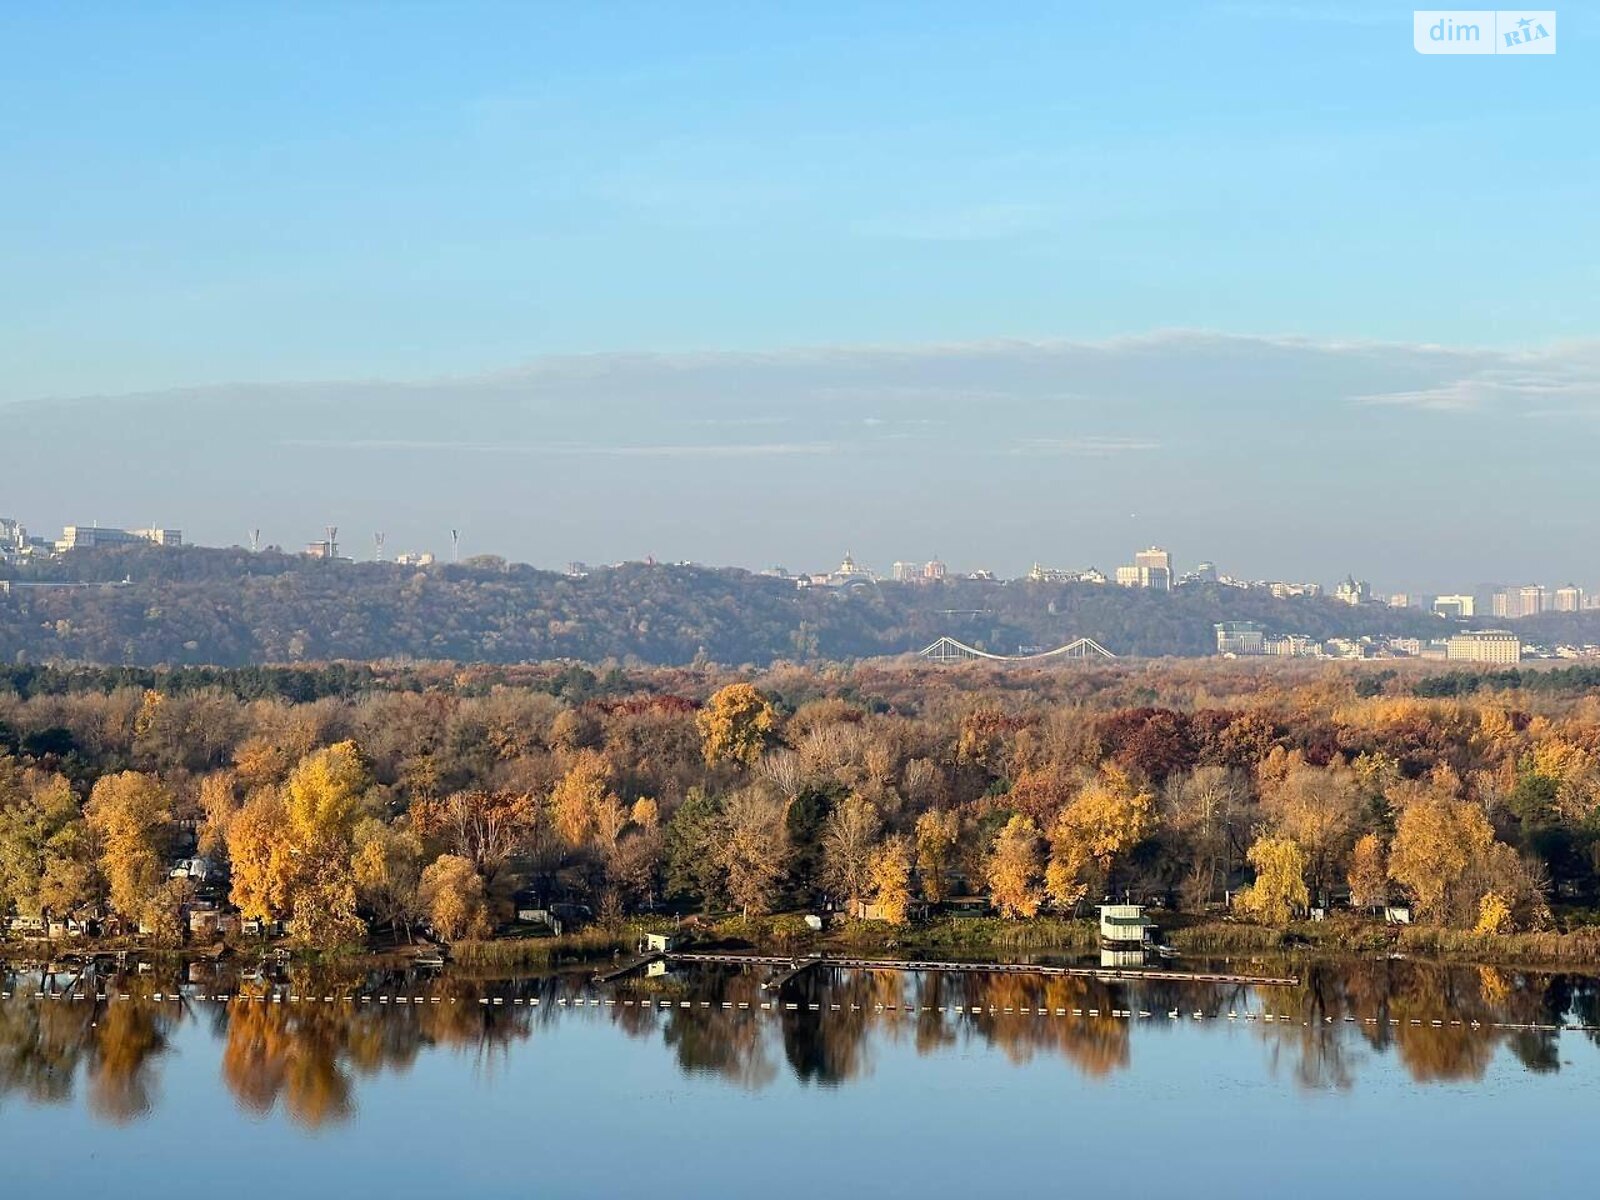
{"points": [[131, 814], [938, 830], [452, 895], [42, 838], [577, 801], [734, 724], [891, 879], [292, 850], [322, 799], [1436, 842], [1014, 869], [1369, 874], [1494, 915], [387, 865], [262, 854], [219, 803], [1106, 820], [646, 813], [1316, 808], [1280, 886]]}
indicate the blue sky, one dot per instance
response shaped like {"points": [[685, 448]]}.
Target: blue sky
{"points": [[199, 195]]}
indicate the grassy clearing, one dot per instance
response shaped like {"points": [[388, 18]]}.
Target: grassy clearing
{"points": [[1581, 947], [1349, 935], [545, 952]]}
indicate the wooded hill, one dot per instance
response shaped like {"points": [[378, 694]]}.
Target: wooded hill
{"points": [[195, 605]]}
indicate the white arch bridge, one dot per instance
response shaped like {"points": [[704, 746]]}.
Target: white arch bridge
{"points": [[947, 649]]}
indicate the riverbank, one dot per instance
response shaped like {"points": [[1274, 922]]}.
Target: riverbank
{"points": [[950, 937]]}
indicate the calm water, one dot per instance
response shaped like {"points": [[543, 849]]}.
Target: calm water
{"points": [[146, 1096]]}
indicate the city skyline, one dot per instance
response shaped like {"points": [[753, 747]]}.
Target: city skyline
{"points": [[992, 455], [1153, 567]]}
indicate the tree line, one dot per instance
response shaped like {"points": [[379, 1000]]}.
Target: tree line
{"points": [[443, 797], [196, 606]]}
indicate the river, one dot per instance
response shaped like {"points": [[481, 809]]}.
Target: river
{"points": [[1371, 1078]]}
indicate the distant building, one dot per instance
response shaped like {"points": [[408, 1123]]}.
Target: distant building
{"points": [[848, 571], [1151, 569], [79, 537], [905, 572], [1240, 638], [1291, 645], [1154, 559], [1353, 591], [1526, 600], [933, 569], [1500, 647], [323, 549], [1567, 599], [1287, 591], [1205, 572], [1454, 606], [410, 559]]}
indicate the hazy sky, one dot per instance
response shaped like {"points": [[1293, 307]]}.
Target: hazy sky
{"points": [[898, 277]]}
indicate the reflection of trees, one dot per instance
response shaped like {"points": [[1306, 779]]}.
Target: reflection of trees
{"points": [[306, 1054], [1097, 1046], [309, 1056], [127, 1040], [715, 1040], [41, 1045]]}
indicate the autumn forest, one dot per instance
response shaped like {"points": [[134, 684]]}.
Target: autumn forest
{"points": [[350, 807]]}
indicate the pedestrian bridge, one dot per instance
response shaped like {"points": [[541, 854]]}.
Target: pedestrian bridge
{"points": [[947, 649]]}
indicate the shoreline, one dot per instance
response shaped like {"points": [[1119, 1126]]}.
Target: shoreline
{"points": [[981, 939]]}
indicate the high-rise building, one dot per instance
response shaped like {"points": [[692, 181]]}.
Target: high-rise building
{"points": [[1533, 599], [1151, 569], [1153, 558], [1499, 647], [1567, 599], [1454, 606]]}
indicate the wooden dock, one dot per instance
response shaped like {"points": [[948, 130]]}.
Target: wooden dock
{"points": [[794, 967], [797, 966], [626, 968]]}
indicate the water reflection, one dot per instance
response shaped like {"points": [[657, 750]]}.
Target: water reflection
{"points": [[301, 1043]]}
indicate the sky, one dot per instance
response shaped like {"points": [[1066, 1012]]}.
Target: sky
{"points": [[760, 283]]}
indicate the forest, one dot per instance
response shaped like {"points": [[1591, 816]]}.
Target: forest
{"points": [[359, 805], [189, 605]]}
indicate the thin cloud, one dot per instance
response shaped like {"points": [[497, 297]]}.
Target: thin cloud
{"points": [[1085, 447], [664, 450]]}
